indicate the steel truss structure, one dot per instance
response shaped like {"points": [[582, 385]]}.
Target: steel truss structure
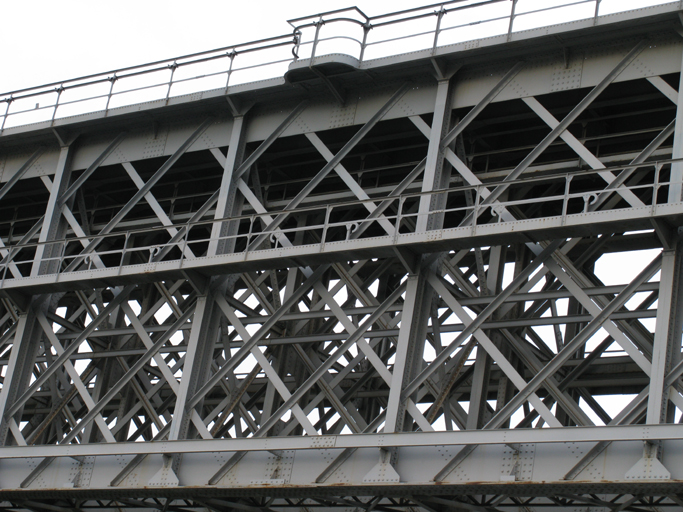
{"points": [[362, 287]]}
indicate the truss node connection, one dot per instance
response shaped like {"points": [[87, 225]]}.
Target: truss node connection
{"points": [[429, 262]]}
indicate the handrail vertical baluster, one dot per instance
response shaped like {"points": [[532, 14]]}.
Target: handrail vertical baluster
{"points": [[9, 104], [477, 198], [439, 16], [318, 24], [172, 67], [184, 249], [565, 200], [252, 219], [123, 251], [366, 28], [328, 209], [655, 190], [512, 19], [113, 80], [232, 56], [597, 11], [399, 218], [59, 90]]}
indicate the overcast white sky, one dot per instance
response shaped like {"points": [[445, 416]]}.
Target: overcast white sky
{"points": [[48, 40]]}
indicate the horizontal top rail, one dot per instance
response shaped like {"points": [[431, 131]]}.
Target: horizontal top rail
{"points": [[347, 31], [580, 201], [117, 73]]}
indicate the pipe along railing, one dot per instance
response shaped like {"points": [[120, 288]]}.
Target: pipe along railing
{"points": [[347, 31], [557, 197]]}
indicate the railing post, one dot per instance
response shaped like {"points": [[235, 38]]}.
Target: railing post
{"points": [[477, 197], [297, 44], [62, 255], [123, 251], [251, 232], [565, 201], [439, 15], [182, 252], [366, 28], [186, 237], [9, 103], [113, 80], [318, 24], [399, 217], [655, 189], [328, 209], [512, 18], [597, 11], [59, 90], [232, 56], [172, 67]]}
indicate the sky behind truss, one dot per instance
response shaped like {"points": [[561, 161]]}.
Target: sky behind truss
{"points": [[46, 40]]}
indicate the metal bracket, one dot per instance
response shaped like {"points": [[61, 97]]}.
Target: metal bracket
{"points": [[648, 468], [198, 281], [383, 471], [442, 71], [62, 138], [666, 234], [20, 300], [338, 92], [238, 107], [588, 200], [350, 229], [165, 477], [408, 258]]}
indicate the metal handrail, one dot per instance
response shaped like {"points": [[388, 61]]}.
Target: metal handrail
{"points": [[53, 92], [396, 218], [522, 181]]}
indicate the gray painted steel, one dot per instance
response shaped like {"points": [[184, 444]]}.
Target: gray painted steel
{"points": [[371, 283]]}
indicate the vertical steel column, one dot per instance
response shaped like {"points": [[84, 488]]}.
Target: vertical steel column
{"points": [[226, 198], [53, 216], [479, 391], [494, 283], [434, 166], [667, 340], [676, 187], [189, 378], [198, 358], [9, 390], [20, 365], [408, 362], [396, 406], [418, 303], [477, 417]]}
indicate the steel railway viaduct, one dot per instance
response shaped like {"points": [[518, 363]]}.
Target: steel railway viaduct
{"points": [[361, 280]]}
